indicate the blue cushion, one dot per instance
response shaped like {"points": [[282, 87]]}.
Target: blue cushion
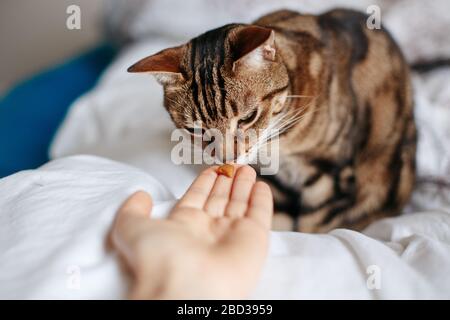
{"points": [[32, 111]]}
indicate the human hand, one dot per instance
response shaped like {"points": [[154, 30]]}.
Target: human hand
{"points": [[212, 245]]}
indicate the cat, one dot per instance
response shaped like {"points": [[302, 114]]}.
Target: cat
{"points": [[348, 141]]}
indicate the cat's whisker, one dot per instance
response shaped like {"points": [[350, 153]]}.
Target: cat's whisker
{"points": [[282, 124], [298, 96], [278, 125]]}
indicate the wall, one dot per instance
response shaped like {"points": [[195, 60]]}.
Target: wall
{"points": [[33, 35]]}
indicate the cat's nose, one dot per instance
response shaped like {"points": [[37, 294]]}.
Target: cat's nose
{"points": [[230, 157], [227, 156]]}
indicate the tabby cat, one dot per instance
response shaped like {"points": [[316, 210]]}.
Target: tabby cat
{"points": [[348, 155]]}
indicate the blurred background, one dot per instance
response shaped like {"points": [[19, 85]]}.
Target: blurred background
{"points": [[45, 66], [34, 36]]}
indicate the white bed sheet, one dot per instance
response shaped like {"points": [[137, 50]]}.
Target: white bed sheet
{"points": [[54, 223]]}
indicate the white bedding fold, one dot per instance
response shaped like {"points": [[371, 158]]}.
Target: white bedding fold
{"points": [[54, 223]]}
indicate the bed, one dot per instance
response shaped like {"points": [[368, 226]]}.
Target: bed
{"points": [[116, 140]]}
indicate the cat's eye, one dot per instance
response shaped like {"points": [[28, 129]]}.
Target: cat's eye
{"points": [[248, 118]]}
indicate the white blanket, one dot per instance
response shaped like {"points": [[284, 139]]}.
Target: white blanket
{"points": [[54, 220], [54, 223]]}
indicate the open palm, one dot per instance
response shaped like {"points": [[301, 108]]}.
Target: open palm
{"points": [[212, 245]]}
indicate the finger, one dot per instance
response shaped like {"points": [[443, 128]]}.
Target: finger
{"points": [[240, 192], [130, 215], [219, 197], [249, 237], [139, 204], [198, 192], [261, 204]]}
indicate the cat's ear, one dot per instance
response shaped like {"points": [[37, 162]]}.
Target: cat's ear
{"points": [[253, 47], [164, 65]]}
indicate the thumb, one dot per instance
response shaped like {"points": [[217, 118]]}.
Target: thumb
{"points": [[129, 217], [139, 204]]}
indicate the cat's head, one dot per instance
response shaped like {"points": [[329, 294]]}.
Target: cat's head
{"points": [[231, 79]]}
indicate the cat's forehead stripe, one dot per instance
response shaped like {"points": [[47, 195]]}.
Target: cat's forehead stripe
{"points": [[207, 57], [196, 74], [205, 66], [194, 87]]}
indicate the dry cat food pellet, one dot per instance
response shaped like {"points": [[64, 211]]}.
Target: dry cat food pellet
{"points": [[226, 170]]}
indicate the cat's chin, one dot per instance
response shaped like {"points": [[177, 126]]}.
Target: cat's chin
{"points": [[248, 158], [241, 160]]}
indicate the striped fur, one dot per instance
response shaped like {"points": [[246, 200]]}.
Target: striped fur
{"points": [[350, 157]]}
